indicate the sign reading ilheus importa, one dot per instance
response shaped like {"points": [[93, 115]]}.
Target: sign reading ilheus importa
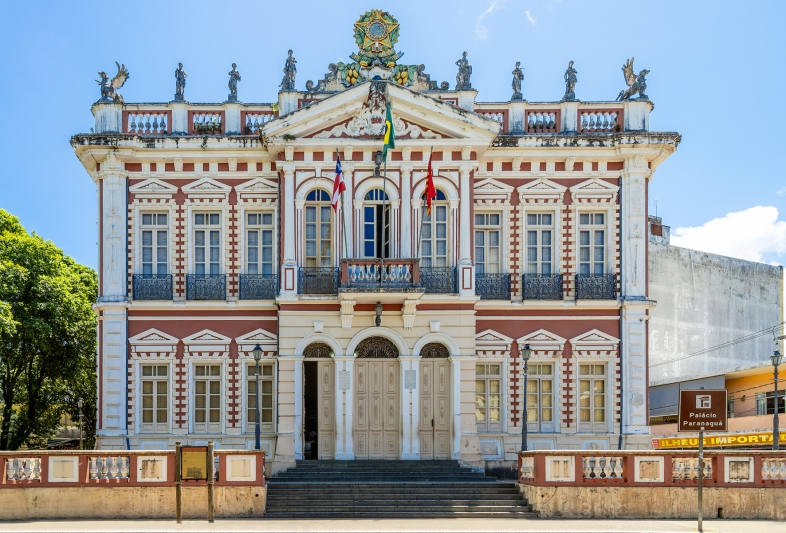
{"points": [[702, 409]]}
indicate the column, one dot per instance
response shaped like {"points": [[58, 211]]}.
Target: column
{"points": [[347, 168], [289, 268], [406, 215], [344, 406], [290, 408], [466, 444], [298, 403], [410, 407], [466, 270]]}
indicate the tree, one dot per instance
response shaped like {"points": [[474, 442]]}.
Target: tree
{"points": [[47, 334]]}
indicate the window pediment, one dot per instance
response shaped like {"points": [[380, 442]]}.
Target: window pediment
{"points": [[492, 190], [153, 188], [258, 188], [593, 190], [207, 188], [542, 191]]}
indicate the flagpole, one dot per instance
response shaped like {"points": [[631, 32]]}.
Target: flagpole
{"points": [[343, 218], [423, 207]]}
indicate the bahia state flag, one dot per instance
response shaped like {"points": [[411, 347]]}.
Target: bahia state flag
{"points": [[338, 185], [390, 135]]}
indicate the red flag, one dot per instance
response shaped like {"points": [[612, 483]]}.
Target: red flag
{"points": [[338, 185], [431, 191]]}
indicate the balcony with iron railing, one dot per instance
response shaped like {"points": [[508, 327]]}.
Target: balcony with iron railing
{"points": [[492, 286], [206, 286], [318, 281], [152, 286], [258, 286], [439, 280], [542, 287], [596, 287]]}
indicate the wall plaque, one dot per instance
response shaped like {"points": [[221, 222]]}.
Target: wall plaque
{"points": [[410, 379], [343, 379]]}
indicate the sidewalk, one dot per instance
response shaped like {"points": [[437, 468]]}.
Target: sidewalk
{"points": [[460, 524]]}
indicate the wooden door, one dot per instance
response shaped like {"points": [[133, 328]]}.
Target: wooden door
{"points": [[434, 426], [377, 420], [326, 438]]}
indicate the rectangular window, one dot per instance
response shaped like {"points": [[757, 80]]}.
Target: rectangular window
{"points": [[265, 398], [488, 397], [207, 398], [540, 398], [259, 243], [592, 243], [155, 398], [771, 402], [487, 243], [155, 232], [540, 252], [207, 243], [434, 238], [592, 397], [319, 235]]}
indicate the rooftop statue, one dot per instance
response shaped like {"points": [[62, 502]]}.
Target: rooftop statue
{"points": [[234, 77], [570, 82], [290, 71], [109, 88], [518, 75], [464, 72], [636, 84], [180, 83]]}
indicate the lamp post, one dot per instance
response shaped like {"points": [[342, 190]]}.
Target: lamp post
{"points": [[776, 437], [80, 403], [525, 354], [257, 356]]}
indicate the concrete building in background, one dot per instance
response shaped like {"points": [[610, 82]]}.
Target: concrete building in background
{"points": [[713, 327]]}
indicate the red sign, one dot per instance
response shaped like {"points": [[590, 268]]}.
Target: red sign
{"points": [[702, 410]]}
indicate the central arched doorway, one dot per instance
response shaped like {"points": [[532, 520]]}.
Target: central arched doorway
{"points": [[376, 425], [434, 427], [319, 421]]}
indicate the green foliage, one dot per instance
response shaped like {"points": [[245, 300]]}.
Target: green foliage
{"points": [[48, 333]]}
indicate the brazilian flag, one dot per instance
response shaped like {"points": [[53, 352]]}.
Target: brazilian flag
{"points": [[390, 135]]}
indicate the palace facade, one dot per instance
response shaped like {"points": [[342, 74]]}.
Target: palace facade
{"points": [[386, 332]]}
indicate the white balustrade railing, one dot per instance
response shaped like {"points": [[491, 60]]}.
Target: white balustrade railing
{"points": [[23, 469], [773, 469], [207, 122], [527, 467], [603, 467], [602, 121], [106, 468], [497, 116], [542, 121], [255, 121], [687, 468], [369, 274], [147, 122]]}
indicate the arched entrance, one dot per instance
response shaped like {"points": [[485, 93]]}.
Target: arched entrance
{"points": [[319, 420], [434, 427], [376, 425]]}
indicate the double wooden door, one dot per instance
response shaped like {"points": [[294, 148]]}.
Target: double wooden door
{"points": [[434, 427], [377, 417], [326, 438]]}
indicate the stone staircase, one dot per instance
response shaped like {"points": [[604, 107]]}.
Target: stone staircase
{"points": [[391, 489]]}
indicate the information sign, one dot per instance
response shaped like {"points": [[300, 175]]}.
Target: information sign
{"points": [[702, 409], [194, 463]]}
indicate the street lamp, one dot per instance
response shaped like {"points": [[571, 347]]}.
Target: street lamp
{"points": [[776, 437], [525, 354], [80, 403], [257, 356], [378, 317]]}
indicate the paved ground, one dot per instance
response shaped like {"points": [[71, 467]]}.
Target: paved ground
{"points": [[465, 524]]}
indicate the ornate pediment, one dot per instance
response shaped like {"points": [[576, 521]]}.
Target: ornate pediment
{"points": [[542, 191], [258, 188], [594, 189], [153, 188], [207, 188], [594, 340], [206, 336], [265, 339], [153, 340], [491, 189], [491, 338], [541, 340]]}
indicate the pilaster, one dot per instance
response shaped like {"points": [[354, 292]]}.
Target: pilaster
{"points": [[112, 371], [347, 169], [410, 403], [344, 407], [406, 214], [466, 268], [289, 268]]}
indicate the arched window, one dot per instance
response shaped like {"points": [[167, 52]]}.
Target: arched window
{"points": [[319, 229], [376, 227], [434, 233]]}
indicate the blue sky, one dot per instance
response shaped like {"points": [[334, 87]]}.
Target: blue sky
{"points": [[717, 77]]}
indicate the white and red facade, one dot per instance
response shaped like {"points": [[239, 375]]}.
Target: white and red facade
{"points": [[559, 199]]}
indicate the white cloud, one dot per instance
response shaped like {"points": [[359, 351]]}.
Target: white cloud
{"points": [[781, 192], [481, 31], [751, 234], [530, 18]]}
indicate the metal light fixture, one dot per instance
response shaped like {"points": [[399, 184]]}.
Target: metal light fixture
{"points": [[377, 163], [378, 318], [80, 403], [257, 352], [526, 353], [776, 358]]}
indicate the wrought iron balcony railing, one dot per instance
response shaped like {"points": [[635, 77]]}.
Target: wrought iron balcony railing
{"points": [[317, 280], [542, 287], [596, 286], [258, 286], [438, 280], [492, 286], [152, 286], [206, 287], [397, 275]]}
